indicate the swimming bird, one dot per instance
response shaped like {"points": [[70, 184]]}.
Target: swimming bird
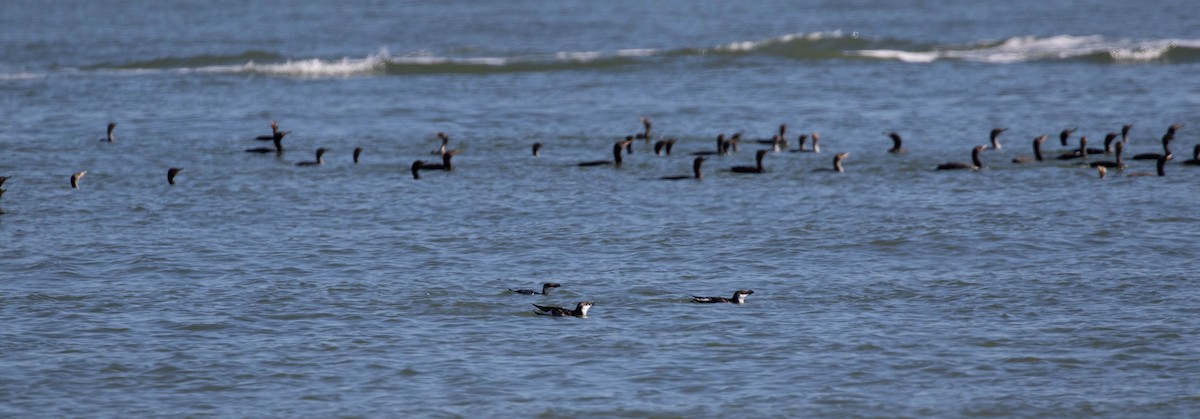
{"points": [[442, 149], [537, 149], [446, 165], [1065, 134], [1125, 133], [1161, 167], [897, 144], [1037, 152], [779, 137], [976, 163], [696, 174], [111, 137], [1103, 171], [320, 159], [274, 129], [278, 149], [419, 165], [1108, 148], [645, 134], [837, 164], [545, 289], [616, 161], [739, 297], [734, 143], [758, 164], [1166, 145], [802, 139], [171, 174], [994, 137], [1117, 163], [357, 152], [580, 310], [662, 146], [778, 144], [816, 140], [628, 144], [1195, 161], [722, 147], [75, 179], [1081, 152], [416, 168]]}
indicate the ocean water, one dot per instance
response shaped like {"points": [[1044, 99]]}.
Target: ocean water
{"points": [[254, 287]]}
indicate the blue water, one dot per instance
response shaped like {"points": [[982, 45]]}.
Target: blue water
{"points": [[257, 288]]}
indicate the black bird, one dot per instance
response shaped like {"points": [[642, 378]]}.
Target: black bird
{"points": [[1108, 148], [1166, 140], [75, 179], [545, 289], [1161, 167], [278, 149], [442, 149], [274, 129], [662, 146], [897, 144], [1195, 161], [696, 174], [976, 163], [616, 152], [645, 134], [446, 165], [758, 164], [994, 137], [111, 127], [1116, 164], [801, 140], [171, 174], [1081, 152], [739, 297], [1065, 134], [1037, 152], [357, 153], [580, 310], [537, 149], [722, 147], [816, 141], [318, 162], [837, 164]]}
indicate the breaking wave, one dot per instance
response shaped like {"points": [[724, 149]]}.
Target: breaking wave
{"points": [[832, 45], [1055, 48]]}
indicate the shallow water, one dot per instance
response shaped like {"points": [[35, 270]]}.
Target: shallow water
{"points": [[255, 287]]}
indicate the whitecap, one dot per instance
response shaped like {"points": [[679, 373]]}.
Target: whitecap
{"points": [[21, 76], [906, 56]]}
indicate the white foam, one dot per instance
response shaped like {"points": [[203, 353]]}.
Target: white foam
{"points": [[584, 56], [752, 45], [639, 52], [21, 76], [1031, 48], [887, 54]]}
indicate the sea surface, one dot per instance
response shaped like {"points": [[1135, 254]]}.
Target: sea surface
{"points": [[256, 288]]}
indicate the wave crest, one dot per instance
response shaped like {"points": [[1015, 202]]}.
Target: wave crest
{"points": [[830, 45], [1062, 47]]}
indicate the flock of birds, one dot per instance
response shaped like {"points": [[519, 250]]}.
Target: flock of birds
{"points": [[778, 143], [582, 307], [727, 145]]}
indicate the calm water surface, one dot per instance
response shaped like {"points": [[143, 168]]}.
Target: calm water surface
{"points": [[258, 288]]}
